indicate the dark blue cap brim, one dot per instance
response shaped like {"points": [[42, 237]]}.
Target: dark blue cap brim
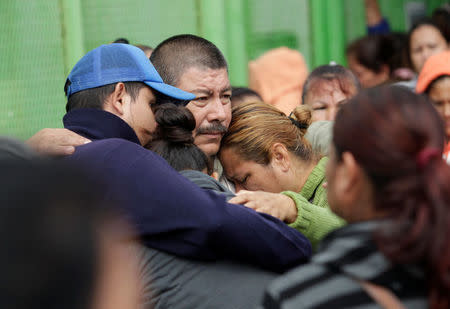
{"points": [[171, 91]]}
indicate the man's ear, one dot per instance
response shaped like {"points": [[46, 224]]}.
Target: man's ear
{"points": [[280, 157], [118, 100]]}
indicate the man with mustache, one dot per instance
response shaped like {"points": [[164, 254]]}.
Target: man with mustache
{"points": [[190, 63]]}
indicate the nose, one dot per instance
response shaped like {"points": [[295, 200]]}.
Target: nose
{"points": [[447, 109], [332, 110], [426, 53], [217, 110]]}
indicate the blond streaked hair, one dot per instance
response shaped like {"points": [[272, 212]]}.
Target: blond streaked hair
{"points": [[256, 126]]}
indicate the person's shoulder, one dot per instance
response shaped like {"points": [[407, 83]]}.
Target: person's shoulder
{"points": [[309, 285]]}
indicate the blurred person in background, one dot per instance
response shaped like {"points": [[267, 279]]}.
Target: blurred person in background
{"points": [[392, 188], [264, 153], [327, 88], [424, 40], [379, 59], [62, 247], [278, 76], [434, 81], [242, 94]]}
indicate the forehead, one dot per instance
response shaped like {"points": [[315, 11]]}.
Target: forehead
{"points": [[204, 78], [322, 88], [440, 89], [425, 33]]}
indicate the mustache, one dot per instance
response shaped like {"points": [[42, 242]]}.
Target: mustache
{"points": [[215, 127]]}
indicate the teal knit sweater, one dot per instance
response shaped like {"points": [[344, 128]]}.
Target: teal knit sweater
{"points": [[315, 219]]}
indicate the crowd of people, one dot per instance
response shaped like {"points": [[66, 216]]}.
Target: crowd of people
{"points": [[171, 188]]}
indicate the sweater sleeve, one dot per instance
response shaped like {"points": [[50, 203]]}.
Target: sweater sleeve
{"points": [[313, 221]]}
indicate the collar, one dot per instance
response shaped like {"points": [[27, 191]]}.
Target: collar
{"points": [[97, 124], [315, 178]]}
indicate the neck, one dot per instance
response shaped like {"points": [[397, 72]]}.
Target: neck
{"points": [[302, 170]]}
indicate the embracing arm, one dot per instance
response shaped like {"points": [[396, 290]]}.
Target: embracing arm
{"points": [[313, 221], [172, 214]]}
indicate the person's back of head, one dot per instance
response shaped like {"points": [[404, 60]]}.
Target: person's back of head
{"points": [[374, 58], [173, 139], [175, 55], [409, 179], [53, 224], [242, 94]]}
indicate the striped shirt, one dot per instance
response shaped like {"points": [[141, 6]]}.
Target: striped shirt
{"points": [[328, 281]]}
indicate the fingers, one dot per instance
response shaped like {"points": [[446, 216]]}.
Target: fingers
{"points": [[70, 138], [241, 197], [56, 142]]}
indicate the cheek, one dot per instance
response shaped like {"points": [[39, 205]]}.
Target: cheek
{"points": [[319, 115]]}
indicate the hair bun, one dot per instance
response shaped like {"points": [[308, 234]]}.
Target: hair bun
{"points": [[301, 117], [175, 124]]}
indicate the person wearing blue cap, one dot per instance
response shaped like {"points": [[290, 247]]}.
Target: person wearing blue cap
{"points": [[110, 92]]}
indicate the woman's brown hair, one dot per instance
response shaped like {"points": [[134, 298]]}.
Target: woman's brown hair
{"points": [[256, 126], [397, 137]]}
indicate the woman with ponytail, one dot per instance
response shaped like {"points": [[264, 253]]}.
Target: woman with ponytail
{"points": [[264, 152], [387, 178], [174, 142]]}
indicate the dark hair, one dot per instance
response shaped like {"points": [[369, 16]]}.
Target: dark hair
{"points": [[173, 139], [345, 78], [239, 93], [441, 18], [426, 21], [121, 40], [174, 56], [390, 129], [375, 51], [50, 218], [437, 79], [95, 97]]}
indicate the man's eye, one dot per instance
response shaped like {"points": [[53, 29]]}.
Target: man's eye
{"points": [[201, 99], [319, 108]]}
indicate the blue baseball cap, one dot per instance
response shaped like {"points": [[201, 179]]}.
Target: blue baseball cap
{"points": [[113, 63]]}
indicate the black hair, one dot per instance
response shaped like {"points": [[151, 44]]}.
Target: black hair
{"points": [[375, 51], [121, 40], [50, 217], [173, 139], [239, 93], [95, 97], [437, 79], [174, 56], [441, 17], [344, 76]]}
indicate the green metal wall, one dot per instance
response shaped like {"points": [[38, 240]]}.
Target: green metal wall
{"points": [[40, 40]]}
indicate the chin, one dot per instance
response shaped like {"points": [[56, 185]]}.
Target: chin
{"points": [[210, 149]]}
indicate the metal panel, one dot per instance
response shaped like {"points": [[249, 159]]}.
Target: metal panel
{"points": [[140, 21], [32, 71]]}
